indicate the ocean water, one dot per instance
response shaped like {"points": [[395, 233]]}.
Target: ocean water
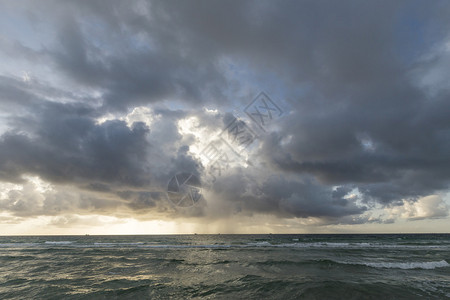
{"points": [[226, 267]]}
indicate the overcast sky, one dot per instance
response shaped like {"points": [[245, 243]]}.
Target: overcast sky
{"points": [[345, 107]]}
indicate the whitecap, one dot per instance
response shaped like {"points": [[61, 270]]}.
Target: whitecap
{"points": [[426, 265], [58, 242], [260, 244]]}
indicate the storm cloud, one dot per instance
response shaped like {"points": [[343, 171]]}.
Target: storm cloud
{"points": [[96, 99]]}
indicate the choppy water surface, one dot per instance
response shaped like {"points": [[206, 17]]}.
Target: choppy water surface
{"points": [[226, 267]]}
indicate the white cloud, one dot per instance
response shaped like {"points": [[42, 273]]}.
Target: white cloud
{"points": [[428, 207]]}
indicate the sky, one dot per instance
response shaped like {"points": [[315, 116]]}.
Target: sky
{"points": [[265, 116]]}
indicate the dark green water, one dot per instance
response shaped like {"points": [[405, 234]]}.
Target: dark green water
{"points": [[226, 267]]}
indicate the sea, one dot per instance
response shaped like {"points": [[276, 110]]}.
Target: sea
{"points": [[269, 266]]}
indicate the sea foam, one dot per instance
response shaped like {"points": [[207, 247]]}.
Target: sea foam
{"points": [[58, 242], [428, 265]]}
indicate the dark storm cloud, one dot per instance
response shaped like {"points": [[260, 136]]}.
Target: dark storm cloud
{"points": [[63, 142], [96, 166], [299, 197], [362, 115], [135, 59], [393, 150]]}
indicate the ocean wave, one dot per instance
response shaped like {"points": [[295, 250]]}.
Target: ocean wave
{"points": [[186, 246], [118, 244], [425, 265], [260, 244], [58, 242], [321, 245], [18, 245], [357, 245], [428, 265]]}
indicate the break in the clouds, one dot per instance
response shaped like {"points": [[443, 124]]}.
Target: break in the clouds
{"points": [[102, 102]]}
